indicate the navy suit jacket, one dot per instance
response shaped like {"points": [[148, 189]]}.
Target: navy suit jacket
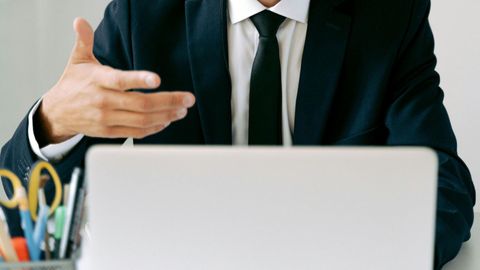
{"points": [[368, 78]]}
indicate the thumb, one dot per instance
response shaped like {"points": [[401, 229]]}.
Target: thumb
{"points": [[83, 49]]}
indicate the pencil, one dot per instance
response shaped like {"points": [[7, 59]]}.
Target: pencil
{"points": [[6, 247]]}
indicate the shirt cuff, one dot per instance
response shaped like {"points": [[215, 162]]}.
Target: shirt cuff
{"points": [[52, 152]]}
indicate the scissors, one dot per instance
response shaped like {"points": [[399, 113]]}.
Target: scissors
{"points": [[34, 185]]}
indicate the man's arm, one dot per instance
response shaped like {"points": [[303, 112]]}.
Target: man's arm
{"points": [[52, 152], [17, 154], [92, 98], [417, 116]]}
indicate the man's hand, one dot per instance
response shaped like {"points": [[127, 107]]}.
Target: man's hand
{"points": [[91, 99]]}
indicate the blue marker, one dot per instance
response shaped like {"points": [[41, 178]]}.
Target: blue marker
{"points": [[39, 233], [26, 221]]}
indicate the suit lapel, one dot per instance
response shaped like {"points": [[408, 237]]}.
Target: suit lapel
{"points": [[207, 43], [327, 35]]}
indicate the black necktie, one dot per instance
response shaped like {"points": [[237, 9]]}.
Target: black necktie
{"points": [[265, 112]]}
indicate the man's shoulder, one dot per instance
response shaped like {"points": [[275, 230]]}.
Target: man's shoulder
{"points": [[381, 14], [390, 7]]}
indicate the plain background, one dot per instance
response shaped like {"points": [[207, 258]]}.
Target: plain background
{"points": [[36, 39]]}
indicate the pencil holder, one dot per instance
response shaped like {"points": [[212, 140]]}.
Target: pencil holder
{"points": [[44, 265]]}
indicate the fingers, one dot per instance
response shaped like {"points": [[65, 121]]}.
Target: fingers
{"points": [[124, 132], [144, 103], [83, 49], [113, 79], [114, 123], [140, 120]]}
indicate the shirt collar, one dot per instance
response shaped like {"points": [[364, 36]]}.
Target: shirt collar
{"points": [[240, 10]]}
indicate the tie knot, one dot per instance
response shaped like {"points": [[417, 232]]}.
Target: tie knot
{"points": [[267, 23]]}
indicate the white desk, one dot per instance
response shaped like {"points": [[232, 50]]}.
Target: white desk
{"points": [[469, 257]]}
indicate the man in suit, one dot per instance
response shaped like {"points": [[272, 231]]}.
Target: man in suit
{"points": [[253, 72]]}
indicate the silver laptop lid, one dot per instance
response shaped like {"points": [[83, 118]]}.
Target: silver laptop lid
{"points": [[180, 208]]}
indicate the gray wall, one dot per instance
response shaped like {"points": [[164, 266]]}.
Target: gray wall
{"points": [[456, 28], [36, 38]]}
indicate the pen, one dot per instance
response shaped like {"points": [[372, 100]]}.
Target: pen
{"points": [[6, 247], [59, 224], [39, 233], [40, 227], [26, 221], [77, 221], [48, 250], [74, 185], [66, 193]]}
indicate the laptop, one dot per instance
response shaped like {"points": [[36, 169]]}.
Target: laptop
{"points": [[186, 208]]}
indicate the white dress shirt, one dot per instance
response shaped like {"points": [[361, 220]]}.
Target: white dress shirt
{"points": [[243, 41]]}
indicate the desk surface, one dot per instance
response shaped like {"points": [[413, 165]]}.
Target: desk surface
{"points": [[469, 257]]}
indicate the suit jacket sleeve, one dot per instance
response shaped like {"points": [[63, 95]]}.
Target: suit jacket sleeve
{"points": [[111, 48], [417, 103]]}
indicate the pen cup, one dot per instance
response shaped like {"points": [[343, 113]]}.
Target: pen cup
{"points": [[45, 265], [68, 264]]}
